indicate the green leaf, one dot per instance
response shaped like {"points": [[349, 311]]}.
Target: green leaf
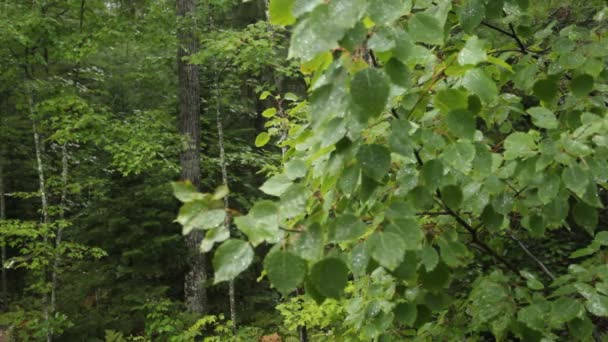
{"points": [[262, 139], [478, 82], [543, 118], [432, 172], [451, 99], [276, 185], [452, 196], [459, 156], [471, 14], [384, 12], [370, 89], [549, 188], [409, 230], [280, 12], [473, 52], [491, 219], [565, 309], [436, 279], [546, 90], [519, 145], [581, 85], [425, 28], [387, 248], [345, 228], [261, 223], [375, 161], [197, 215], [315, 34], [398, 73], [268, 113], [230, 259], [400, 141], [213, 236], [295, 168], [585, 216], [329, 277], [359, 259], [286, 271], [429, 257], [309, 245], [532, 281], [186, 192], [461, 123], [406, 313], [293, 201], [576, 179]]}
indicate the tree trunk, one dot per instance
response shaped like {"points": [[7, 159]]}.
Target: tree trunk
{"points": [[190, 127], [58, 236], [45, 205], [3, 217], [228, 220]]}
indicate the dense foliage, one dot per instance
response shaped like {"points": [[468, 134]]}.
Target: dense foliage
{"points": [[372, 170]]}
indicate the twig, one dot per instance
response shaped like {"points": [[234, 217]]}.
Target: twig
{"points": [[532, 256]]}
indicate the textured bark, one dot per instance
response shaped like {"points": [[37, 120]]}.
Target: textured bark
{"points": [[190, 127]]}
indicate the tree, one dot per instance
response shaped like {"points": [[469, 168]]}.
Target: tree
{"points": [[441, 141]]}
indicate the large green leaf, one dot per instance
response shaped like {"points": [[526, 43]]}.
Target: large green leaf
{"points": [[230, 259], [461, 123], [280, 12], [459, 156], [473, 52], [261, 223], [345, 228], [425, 28], [479, 83], [543, 118], [384, 12], [197, 215], [329, 277], [520, 145], [369, 89], [471, 14], [375, 161], [286, 271], [581, 85], [387, 248], [576, 179], [276, 185]]}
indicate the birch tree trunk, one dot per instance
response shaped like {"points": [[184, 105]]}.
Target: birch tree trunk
{"points": [[43, 200], [228, 220], [190, 127], [59, 233]]}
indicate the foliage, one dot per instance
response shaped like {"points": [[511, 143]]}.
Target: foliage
{"points": [[463, 137]]}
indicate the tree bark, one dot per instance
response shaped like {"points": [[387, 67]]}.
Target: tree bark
{"points": [[58, 236], [3, 217], [189, 126], [44, 202], [228, 220]]}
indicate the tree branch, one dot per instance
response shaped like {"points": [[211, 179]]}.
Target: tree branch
{"points": [[532, 256]]}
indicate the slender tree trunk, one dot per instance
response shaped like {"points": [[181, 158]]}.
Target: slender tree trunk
{"points": [[3, 217], [189, 125], [228, 220], [44, 201], [58, 236]]}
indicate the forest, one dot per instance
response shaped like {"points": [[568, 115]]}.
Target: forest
{"points": [[303, 170]]}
